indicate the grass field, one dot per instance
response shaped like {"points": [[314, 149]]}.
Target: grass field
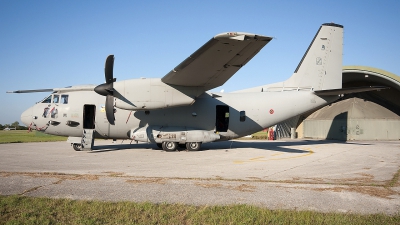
{"points": [[27, 210], [21, 136]]}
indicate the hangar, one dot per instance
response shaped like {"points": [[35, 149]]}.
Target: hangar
{"points": [[373, 115]]}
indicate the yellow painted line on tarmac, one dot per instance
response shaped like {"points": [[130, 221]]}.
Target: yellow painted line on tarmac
{"points": [[263, 159], [257, 158], [298, 156]]}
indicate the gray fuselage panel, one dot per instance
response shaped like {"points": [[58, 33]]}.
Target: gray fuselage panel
{"points": [[261, 110]]}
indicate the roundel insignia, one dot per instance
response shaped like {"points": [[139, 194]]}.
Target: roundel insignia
{"points": [[271, 111]]}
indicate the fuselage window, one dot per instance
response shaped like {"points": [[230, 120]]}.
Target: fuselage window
{"points": [[64, 99], [47, 100], [242, 116], [56, 98]]}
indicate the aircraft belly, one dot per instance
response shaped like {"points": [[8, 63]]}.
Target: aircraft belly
{"points": [[197, 121], [159, 134]]}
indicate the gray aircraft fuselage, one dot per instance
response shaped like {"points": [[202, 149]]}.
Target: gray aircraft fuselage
{"points": [[261, 110]]}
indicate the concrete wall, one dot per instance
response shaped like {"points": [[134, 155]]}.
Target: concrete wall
{"points": [[353, 129]]}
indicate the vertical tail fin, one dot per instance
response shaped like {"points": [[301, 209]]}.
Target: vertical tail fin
{"points": [[321, 66]]}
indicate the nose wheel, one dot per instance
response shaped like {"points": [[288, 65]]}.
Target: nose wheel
{"points": [[77, 147]]}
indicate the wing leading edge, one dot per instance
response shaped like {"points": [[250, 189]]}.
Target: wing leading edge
{"points": [[66, 89], [217, 60]]}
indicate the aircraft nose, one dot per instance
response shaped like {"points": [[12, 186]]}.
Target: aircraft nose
{"points": [[26, 117]]}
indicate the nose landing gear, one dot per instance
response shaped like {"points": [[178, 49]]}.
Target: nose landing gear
{"points": [[77, 147]]}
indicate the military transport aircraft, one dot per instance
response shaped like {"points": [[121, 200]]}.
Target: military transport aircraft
{"points": [[177, 110]]}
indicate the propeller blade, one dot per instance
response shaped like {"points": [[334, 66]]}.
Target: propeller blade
{"points": [[110, 109], [108, 69], [107, 89]]}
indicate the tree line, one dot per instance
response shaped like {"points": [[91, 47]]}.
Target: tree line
{"points": [[15, 125]]}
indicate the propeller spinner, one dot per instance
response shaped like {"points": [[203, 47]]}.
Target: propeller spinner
{"points": [[107, 89]]}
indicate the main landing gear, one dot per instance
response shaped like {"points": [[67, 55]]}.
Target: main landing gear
{"points": [[172, 146], [193, 146]]}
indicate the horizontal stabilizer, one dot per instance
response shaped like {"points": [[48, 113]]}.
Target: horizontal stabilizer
{"points": [[349, 90]]}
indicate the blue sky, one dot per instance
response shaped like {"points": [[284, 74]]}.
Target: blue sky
{"points": [[49, 44]]}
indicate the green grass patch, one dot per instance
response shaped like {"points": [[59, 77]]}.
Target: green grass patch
{"points": [[28, 210], [260, 135], [22, 136], [395, 180]]}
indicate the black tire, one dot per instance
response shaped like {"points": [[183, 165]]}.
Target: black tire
{"points": [[77, 147], [193, 146], [169, 146], [159, 145]]}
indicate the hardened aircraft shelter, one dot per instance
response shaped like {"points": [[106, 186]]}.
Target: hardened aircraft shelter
{"points": [[373, 115]]}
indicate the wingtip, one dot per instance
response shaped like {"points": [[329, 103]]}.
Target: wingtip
{"points": [[241, 36], [332, 25]]}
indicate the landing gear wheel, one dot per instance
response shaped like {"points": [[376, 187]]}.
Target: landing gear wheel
{"points": [[77, 147], [169, 146], [159, 145], [193, 146]]}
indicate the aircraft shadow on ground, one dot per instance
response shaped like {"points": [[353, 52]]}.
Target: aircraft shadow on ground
{"points": [[279, 146]]}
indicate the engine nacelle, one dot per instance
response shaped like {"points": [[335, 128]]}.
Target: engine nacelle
{"points": [[145, 94], [159, 134]]}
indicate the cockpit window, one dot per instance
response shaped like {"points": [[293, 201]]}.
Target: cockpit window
{"points": [[47, 100], [56, 98], [64, 99]]}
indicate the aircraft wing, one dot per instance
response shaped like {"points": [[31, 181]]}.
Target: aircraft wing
{"points": [[66, 89], [30, 91], [217, 60]]}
